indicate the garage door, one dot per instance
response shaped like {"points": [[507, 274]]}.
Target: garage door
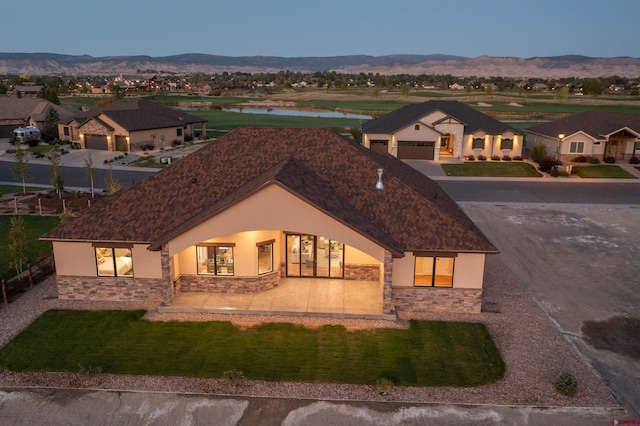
{"points": [[96, 142], [379, 146], [410, 150]]}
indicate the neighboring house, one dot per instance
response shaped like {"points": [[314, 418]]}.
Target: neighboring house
{"points": [[21, 112], [260, 204], [595, 134], [435, 130], [27, 90], [129, 126]]}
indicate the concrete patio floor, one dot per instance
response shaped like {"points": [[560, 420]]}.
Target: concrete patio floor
{"points": [[294, 296]]}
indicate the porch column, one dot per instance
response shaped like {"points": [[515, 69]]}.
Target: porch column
{"points": [[387, 307], [166, 264]]}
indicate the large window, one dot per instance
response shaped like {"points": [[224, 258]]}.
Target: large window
{"points": [[265, 257], [478, 143], [576, 147], [215, 259], [114, 261], [434, 271], [506, 144]]}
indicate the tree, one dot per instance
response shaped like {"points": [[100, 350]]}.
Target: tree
{"points": [[17, 243], [90, 171], [562, 93], [116, 91], [49, 95], [57, 180], [50, 127], [592, 86], [112, 184], [21, 169]]}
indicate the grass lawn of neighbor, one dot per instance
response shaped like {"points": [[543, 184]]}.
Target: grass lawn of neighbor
{"points": [[491, 169], [34, 227], [602, 171], [430, 353]]}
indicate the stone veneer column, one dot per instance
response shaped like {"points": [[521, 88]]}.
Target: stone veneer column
{"points": [[165, 264], [387, 306]]}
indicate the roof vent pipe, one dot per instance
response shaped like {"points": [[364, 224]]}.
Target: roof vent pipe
{"points": [[379, 183]]}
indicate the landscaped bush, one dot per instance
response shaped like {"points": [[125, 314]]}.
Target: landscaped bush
{"points": [[538, 152], [495, 158], [548, 163], [609, 160], [567, 383], [482, 157], [176, 142], [470, 158], [579, 159], [593, 160], [517, 158], [634, 160], [506, 158]]}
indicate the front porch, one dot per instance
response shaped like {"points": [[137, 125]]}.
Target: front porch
{"points": [[293, 296]]}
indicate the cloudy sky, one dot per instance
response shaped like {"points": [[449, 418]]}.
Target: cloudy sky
{"points": [[520, 28]]}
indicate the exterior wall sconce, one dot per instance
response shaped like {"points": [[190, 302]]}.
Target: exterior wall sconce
{"points": [[379, 183]]}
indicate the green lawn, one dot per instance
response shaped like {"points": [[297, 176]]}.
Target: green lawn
{"points": [[11, 189], [602, 171], [491, 169], [430, 353], [34, 227]]}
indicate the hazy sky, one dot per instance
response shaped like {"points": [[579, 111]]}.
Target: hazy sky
{"points": [[521, 28]]}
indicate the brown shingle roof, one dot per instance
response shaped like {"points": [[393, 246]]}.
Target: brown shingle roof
{"points": [[595, 124], [141, 115], [318, 165]]}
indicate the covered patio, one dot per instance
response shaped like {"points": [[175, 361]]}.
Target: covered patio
{"points": [[293, 296]]}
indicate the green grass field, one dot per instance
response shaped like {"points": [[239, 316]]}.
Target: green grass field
{"points": [[430, 353], [34, 227], [11, 189], [491, 169], [602, 171]]}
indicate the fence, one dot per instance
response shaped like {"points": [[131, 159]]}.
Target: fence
{"points": [[14, 287]]}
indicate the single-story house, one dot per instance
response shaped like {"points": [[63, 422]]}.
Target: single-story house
{"points": [[262, 204], [594, 134], [435, 130], [129, 126], [21, 112]]}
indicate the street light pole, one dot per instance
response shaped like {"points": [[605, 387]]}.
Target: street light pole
{"points": [[560, 138]]}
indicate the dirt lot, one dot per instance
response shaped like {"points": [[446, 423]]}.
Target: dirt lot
{"points": [[580, 264]]}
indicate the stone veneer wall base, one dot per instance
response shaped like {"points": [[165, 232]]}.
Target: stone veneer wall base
{"points": [[434, 299], [228, 284], [118, 289]]}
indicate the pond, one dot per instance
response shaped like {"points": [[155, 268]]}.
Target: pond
{"points": [[289, 112]]}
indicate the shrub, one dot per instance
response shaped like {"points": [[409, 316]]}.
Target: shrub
{"points": [[538, 152], [548, 163], [470, 158], [176, 142], [557, 172], [506, 158], [495, 158], [233, 376], [580, 159], [482, 157], [517, 158], [593, 160], [609, 160], [34, 143], [567, 383], [383, 385], [634, 160]]}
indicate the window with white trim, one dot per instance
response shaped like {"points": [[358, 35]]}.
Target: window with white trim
{"points": [[576, 147], [215, 259], [506, 144], [478, 143], [265, 257]]}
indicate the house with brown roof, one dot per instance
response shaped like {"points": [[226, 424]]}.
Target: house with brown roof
{"points": [[590, 134], [21, 112], [263, 206], [436, 130], [130, 126]]}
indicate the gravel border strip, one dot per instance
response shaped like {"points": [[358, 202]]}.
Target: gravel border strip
{"points": [[532, 348]]}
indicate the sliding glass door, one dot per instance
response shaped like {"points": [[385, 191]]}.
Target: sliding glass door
{"points": [[313, 256]]}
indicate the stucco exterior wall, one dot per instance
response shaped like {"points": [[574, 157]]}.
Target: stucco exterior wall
{"points": [[279, 210], [468, 271]]}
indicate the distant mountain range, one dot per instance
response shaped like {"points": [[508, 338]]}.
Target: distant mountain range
{"points": [[481, 66]]}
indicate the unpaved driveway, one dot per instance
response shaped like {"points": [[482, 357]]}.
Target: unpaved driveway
{"points": [[581, 263]]}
